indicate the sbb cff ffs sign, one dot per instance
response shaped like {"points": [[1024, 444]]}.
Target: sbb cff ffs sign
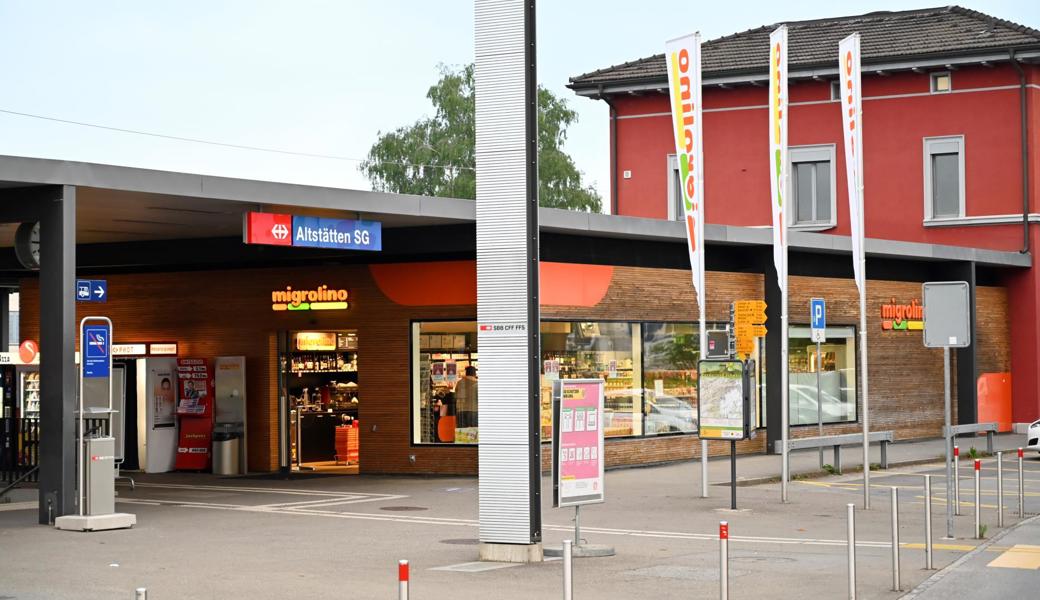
{"points": [[268, 228]]}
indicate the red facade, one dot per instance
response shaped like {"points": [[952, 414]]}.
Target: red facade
{"points": [[899, 113]]}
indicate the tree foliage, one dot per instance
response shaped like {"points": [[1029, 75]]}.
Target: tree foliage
{"points": [[435, 155]]}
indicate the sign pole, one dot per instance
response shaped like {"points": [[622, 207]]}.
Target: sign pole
{"points": [[866, 396], [704, 442], [819, 397], [949, 443], [733, 475]]}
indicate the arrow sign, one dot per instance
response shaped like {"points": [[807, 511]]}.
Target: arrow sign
{"points": [[99, 287]]}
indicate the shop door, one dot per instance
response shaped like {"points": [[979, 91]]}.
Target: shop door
{"points": [[319, 394]]}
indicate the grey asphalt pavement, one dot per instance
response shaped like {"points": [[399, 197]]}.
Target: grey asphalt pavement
{"points": [[202, 536]]}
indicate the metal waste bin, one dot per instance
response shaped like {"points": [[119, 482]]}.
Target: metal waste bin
{"points": [[226, 449]]}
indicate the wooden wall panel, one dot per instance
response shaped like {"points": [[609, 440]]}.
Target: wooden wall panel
{"points": [[218, 313]]}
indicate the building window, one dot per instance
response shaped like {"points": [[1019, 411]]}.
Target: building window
{"points": [[944, 177], [836, 90], [812, 186], [942, 82], [670, 355], [596, 350], [444, 382], [837, 371], [676, 210]]}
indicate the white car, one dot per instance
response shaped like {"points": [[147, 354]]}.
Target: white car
{"points": [[1033, 437]]}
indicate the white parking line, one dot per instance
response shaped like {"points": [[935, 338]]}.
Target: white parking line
{"points": [[457, 522]]}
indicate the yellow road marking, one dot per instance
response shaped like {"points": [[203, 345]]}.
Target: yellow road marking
{"points": [[1019, 556]]}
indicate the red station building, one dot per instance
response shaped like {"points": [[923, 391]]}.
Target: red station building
{"points": [[951, 99]]}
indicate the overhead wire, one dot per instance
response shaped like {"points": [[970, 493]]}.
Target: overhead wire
{"points": [[223, 144]]}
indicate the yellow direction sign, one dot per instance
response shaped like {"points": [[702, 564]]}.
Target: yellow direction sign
{"points": [[749, 311], [745, 346]]}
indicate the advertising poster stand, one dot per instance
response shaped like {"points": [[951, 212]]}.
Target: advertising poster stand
{"points": [[577, 454], [725, 408]]}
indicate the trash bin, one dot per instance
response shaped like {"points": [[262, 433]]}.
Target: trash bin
{"points": [[226, 448]]}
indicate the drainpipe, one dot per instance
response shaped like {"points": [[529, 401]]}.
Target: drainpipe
{"points": [[1024, 116], [613, 152]]}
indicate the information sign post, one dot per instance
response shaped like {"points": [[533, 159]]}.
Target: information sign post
{"points": [[947, 324], [818, 323], [725, 410], [578, 461]]}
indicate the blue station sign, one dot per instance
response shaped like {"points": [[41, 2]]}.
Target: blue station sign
{"points": [[312, 232], [91, 290]]}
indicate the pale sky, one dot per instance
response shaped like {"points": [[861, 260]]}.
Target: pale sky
{"points": [[316, 77]]}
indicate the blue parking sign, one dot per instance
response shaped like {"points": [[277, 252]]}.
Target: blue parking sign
{"points": [[96, 350], [818, 313]]}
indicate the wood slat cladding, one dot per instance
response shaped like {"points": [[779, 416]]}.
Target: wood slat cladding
{"points": [[223, 313]]}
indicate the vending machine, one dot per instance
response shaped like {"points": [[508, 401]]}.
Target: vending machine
{"points": [[195, 412]]}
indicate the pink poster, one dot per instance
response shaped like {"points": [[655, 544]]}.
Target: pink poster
{"points": [[580, 442]]}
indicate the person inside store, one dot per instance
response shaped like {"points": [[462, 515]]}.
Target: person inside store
{"points": [[466, 399], [445, 417]]}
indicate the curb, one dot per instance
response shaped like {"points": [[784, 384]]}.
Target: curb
{"points": [[942, 573]]}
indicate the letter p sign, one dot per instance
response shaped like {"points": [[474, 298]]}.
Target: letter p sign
{"points": [[818, 318]]}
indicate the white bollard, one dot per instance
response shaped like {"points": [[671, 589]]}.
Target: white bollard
{"points": [[141, 594], [928, 522], [1000, 489], [852, 550], [723, 560], [568, 565], [956, 481], [978, 522], [402, 580], [895, 540]]}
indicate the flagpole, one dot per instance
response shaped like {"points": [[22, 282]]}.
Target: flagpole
{"points": [[704, 353]]}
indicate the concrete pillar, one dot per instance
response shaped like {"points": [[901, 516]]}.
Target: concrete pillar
{"points": [[57, 348]]}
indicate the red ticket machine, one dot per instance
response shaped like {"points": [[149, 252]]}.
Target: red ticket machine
{"points": [[195, 413]]}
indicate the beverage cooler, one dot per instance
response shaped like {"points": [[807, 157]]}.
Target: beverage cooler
{"points": [[28, 377]]}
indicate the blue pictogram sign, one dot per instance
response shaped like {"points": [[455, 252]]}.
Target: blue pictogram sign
{"points": [[97, 356]]}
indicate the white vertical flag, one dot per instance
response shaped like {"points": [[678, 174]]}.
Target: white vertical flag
{"points": [[778, 148], [852, 129], [683, 57]]}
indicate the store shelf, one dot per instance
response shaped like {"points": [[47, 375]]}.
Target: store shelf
{"points": [[304, 372]]}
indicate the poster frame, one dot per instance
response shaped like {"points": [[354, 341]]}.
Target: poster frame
{"points": [[559, 501]]}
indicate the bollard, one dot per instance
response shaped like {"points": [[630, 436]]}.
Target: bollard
{"points": [[402, 580], [956, 481], [1000, 489], [141, 594], [895, 540], [852, 550], [978, 524], [568, 580], [928, 522], [1021, 490], [723, 560]]}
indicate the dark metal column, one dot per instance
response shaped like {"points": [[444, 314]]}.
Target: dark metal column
{"points": [[967, 359], [5, 318], [774, 364], [57, 348]]}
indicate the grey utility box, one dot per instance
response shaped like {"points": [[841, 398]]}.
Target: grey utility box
{"points": [[100, 470], [947, 314]]}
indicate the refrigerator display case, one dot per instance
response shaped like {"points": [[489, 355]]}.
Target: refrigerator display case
{"points": [[29, 392]]}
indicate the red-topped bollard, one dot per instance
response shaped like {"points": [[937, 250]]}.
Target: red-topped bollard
{"points": [[978, 522], [724, 560], [1021, 490], [402, 580], [956, 480]]}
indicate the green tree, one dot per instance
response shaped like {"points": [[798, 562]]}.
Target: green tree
{"points": [[435, 155]]}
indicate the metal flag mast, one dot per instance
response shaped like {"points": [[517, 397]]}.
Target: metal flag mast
{"points": [[683, 64]]}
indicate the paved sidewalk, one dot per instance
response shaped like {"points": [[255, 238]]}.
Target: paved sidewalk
{"points": [[201, 536], [1009, 570]]}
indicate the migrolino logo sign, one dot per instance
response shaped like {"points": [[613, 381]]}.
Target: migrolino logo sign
{"points": [[320, 298], [902, 316]]}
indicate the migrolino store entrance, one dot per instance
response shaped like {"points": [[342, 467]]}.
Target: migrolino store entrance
{"points": [[320, 392]]}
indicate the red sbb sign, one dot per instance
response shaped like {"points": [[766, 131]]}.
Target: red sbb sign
{"points": [[268, 228]]}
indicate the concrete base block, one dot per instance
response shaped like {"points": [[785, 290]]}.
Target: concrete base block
{"points": [[95, 522], [514, 553], [582, 551]]}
